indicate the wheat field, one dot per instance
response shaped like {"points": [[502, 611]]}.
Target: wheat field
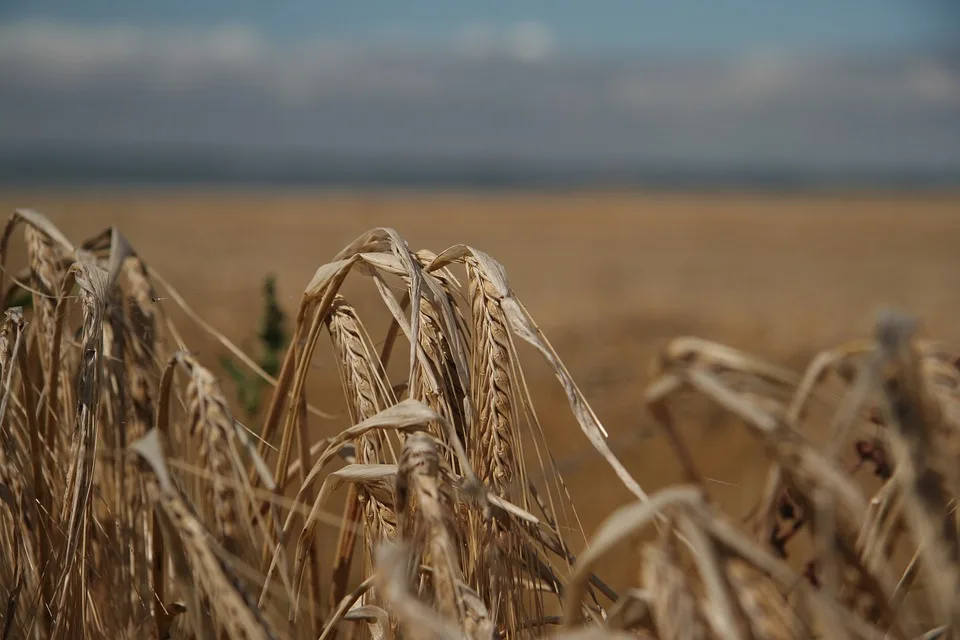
{"points": [[611, 415]]}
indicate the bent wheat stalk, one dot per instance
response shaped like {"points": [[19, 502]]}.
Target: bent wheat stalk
{"points": [[183, 532]]}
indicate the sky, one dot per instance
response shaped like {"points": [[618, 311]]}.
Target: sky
{"points": [[602, 26], [840, 84]]}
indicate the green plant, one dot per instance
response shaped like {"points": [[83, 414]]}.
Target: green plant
{"points": [[20, 298], [272, 338]]}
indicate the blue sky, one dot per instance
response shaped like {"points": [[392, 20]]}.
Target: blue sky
{"points": [[602, 26], [845, 84]]}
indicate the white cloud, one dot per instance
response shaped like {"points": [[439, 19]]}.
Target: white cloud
{"points": [[821, 87], [522, 41], [479, 40], [529, 41], [234, 44], [761, 73], [42, 46], [49, 53], [934, 82]]}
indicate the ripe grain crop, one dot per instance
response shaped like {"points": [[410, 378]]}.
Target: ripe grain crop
{"points": [[135, 504]]}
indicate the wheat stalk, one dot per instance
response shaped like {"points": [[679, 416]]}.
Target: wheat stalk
{"points": [[135, 505]]}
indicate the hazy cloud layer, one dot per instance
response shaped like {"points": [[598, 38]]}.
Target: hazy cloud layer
{"points": [[493, 92]]}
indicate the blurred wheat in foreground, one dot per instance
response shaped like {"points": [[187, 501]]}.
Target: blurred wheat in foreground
{"points": [[135, 506]]}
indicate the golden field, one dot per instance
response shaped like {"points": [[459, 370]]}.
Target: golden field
{"points": [[609, 277]]}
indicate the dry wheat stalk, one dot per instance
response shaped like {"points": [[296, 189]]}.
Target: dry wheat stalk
{"points": [[807, 474], [209, 416], [12, 573], [425, 516], [914, 416], [767, 610], [417, 619], [216, 602], [493, 444], [676, 613], [76, 528], [441, 347], [71, 585], [46, 278], [141, 315], [140, 374], [442, 379], [367, 391]]}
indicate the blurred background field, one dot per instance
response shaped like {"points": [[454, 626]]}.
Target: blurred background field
{"points": [[610, 277]]}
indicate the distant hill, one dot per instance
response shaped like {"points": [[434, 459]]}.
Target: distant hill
{"points": [[178, 168]]}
